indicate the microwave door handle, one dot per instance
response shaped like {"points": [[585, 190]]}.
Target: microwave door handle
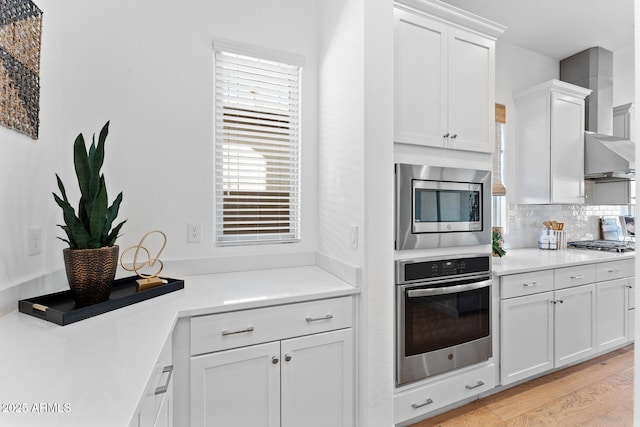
{"points": [[415, 293]]}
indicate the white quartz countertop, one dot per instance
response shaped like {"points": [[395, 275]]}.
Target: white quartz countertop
{"points": [[525, 260], [94, 372]]}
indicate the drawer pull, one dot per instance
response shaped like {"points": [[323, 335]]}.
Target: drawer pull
{"points": [[315, 319], [427, 402], [578, 276], [476, 385], [530, 285], [612, 271], [163, 388], [241, 331]]}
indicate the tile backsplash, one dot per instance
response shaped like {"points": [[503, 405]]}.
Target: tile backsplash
{"points": [[522, 223]]}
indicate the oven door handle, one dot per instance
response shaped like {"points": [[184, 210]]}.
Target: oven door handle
{"points": [[415, 293]]}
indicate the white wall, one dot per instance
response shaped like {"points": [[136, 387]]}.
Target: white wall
{"points": [[341, 129], [147, 67]]}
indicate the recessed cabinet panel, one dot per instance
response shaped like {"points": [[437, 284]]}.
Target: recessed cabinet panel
{"points": [[317, 380], [567, 149], [239, 387], [575, 324], [526, 336], [420, 79], [613, 315], [471, 91]]}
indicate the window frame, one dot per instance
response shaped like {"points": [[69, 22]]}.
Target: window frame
{"points": [[293, 197]]}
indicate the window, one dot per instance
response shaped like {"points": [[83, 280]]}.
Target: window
{"points": [[257, 148]]}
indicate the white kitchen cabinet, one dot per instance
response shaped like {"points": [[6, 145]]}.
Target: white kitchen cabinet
{"points": [[613, 314], [556, 317], [574, 324], [464, 384], [546, 330], [444, 84], [239, 387], [526, 336], [276, 366], [156, 406], [550, 143], [302, 381]]}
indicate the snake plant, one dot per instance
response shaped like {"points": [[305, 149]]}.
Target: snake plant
{"points": [[91, 228]]}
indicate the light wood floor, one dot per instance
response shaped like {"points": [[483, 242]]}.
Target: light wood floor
{"points": [[598, 392]]}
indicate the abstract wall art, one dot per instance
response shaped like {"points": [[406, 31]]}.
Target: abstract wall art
{"points": [[20, 37]]}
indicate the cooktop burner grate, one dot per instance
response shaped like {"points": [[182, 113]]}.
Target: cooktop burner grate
{"points": [[604, 245]]}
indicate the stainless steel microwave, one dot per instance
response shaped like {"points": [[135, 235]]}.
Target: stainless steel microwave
{"points": [[442, 207]]}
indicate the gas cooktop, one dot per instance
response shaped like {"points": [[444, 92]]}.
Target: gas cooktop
{"points": [[604, 245]]}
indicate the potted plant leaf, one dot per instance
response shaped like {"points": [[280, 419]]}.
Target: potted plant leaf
{"points": [[92, 256]]}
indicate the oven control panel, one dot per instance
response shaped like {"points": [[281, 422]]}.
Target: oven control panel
{"points": [[428, 269]]}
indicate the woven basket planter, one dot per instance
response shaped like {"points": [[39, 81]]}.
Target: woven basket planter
{"points": [[90, 273]]}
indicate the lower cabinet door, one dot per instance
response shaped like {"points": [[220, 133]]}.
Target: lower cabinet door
{"points": [[239, 387], [526, 336], [575, 324], [613, 315], [317, 380]]}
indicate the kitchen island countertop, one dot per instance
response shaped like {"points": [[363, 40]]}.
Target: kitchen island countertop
{"points": [[533, 259]]}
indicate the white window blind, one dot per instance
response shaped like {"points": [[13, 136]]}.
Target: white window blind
{"points": [[257, 172]]}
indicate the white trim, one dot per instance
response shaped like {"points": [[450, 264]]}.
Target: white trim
{"points": [[258, 52]]}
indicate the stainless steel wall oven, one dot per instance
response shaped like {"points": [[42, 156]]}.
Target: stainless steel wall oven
{"points": [[440, 207], [443, 309]]}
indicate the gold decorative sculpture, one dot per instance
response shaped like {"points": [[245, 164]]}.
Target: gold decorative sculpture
{"points": [[146, 281]]}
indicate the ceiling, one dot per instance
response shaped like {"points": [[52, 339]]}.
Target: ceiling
{"points": [[558, 28]]}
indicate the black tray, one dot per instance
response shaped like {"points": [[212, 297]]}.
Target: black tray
{"points": [[60, 308]]}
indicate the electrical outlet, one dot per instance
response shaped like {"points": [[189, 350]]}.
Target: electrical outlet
{"points": [[35, 240], [194, 232]]}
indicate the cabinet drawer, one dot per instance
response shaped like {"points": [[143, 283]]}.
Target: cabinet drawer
{"points": [[516, 285], [614, 270], [241, 328], [420, 401], [574, 276]]}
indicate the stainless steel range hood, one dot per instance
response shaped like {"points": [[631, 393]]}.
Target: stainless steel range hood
{"points": [[606, 157]]}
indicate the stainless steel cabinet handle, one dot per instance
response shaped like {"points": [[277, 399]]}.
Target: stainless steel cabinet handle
{"points": [[287, 357], [240, 331], [476, 385], [275, 360], [163, 388], [315, 319], [530, 285], [578, 276], [426, 402]]}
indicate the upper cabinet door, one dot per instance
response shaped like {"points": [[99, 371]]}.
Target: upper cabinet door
{"points": [[444, 84], [471, 91], [567, 149], [420, 80]]}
